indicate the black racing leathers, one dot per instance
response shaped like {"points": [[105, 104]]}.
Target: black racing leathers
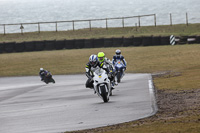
{"points": [[89, 72]]}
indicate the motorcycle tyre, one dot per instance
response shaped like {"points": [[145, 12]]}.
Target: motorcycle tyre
{"points": [[118, 77], [104, 96]]}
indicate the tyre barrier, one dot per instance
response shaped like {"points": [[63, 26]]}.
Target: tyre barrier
{"points": [[59, 44], [191, 39], [39, 45], [19, 47], [118, 42], [9, 47], [88, 43], [156, 40], [2, 47], [29, 46], [94, 43], [147, 41], [197, 39], [108, 42], [165, 40], [137, 41], [182, 40], [49, 45], [79, 43], [128, 42], [98, 43], [69, 44]]}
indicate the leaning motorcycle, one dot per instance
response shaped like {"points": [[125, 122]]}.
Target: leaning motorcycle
{"points": [[119, 67], [102, 84], [48, 78]]}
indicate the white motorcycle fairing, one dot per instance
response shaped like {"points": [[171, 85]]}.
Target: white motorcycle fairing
{"points": [[102, 84]]}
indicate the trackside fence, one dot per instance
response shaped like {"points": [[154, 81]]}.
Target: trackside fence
{"points": [[38, 25]]}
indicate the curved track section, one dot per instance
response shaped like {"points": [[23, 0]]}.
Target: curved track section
{"points": [[27, 105]]}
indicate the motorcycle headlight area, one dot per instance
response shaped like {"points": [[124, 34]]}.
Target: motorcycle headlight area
{"points": [[96, 81], [105, 79]]}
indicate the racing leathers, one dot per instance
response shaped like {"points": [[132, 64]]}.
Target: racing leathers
{"points": [[119, 57], [111, 68], [89, 72], [42, 74]]}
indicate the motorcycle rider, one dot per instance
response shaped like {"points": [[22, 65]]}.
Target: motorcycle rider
{"points": [[42, 73], [108, 63], [120, 57], [91, 66]]}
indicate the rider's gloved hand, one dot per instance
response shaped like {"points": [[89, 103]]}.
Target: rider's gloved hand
{"points": [[110, 74]]}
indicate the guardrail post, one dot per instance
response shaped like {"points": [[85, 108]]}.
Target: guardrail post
{"points": [[139, 20], [73, 25], [123, 22], [155, 19], [186, 18], [106, 23], [170, 19], [56, 27], [38, 27], [90, 25], [4, 27]]}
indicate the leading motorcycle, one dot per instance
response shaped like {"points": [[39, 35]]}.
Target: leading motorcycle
{"points": [[102, 84]]}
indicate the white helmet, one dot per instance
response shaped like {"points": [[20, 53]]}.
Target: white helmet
{"points": [[41, 69], [118, 52], [93, 60]]}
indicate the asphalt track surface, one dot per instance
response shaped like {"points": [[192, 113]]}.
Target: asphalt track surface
{"points": [[28, 105]]}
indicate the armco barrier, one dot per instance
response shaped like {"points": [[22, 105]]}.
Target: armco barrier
{"points": [[79, 43], [128, 41], [9, 47], [88, 43], [117, 42], [29, 46], [108, 42], [99, 43], [70, 44], [2, 47], [39, 45], [137, 41], [60, 44], [165, 40], [147, 41], [19, 47], [49, 45], [156, 40]]}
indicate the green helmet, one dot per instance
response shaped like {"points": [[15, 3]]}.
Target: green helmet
{"points": [[101, 56]]}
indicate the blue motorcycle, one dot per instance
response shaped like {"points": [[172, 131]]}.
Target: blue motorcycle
{"points": [[119, 67]]}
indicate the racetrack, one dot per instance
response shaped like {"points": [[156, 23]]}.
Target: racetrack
{"points": [[29, 105]]}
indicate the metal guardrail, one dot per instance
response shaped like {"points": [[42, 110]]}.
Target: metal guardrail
{"points": [[89, 22], [74, 21]]}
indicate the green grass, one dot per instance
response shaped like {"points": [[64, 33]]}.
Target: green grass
{"points": [[178, 30]]}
